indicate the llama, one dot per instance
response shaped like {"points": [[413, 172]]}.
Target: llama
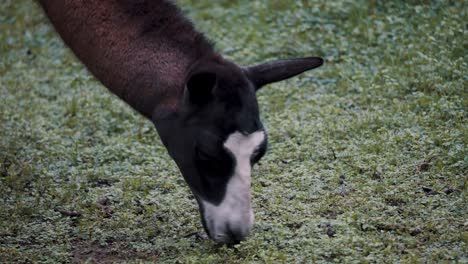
{"points": [[203, 106]]}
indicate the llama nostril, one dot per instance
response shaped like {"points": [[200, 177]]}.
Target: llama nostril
{"points": [[234, 242], [235, 236]]}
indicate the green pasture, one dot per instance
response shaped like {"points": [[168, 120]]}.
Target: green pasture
{"points": [[367, 162]]}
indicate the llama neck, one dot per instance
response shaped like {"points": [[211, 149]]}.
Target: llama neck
{"points": [[141, 50]]}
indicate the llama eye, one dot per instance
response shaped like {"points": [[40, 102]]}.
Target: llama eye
{"points": [[257, 154], [256, 157]]}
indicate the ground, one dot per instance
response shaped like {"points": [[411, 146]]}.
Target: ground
{"points": [[367, 160]]}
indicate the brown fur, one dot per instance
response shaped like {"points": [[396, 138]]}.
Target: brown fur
{"points": [[141, 50]]}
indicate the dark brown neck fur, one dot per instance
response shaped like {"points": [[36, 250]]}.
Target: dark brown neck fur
{"points": [[141, 50]]}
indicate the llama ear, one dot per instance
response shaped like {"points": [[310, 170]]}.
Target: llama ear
{"points": [[279, 70], [199, 87]]}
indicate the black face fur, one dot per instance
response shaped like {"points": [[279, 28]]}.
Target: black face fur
{"points": [[219, 99]]}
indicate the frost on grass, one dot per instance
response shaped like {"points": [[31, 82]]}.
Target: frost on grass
{"points": [[367, 159]]}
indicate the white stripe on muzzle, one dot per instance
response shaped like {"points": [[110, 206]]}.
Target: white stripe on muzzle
{"points": [[234, 215]]}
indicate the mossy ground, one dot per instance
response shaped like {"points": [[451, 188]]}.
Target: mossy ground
{"points": [[367, 161]]}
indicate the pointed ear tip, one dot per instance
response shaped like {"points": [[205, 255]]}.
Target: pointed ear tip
{"points": [[318, 60]]}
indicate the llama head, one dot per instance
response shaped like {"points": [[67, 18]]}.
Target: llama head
{"points": [[215, 136]]}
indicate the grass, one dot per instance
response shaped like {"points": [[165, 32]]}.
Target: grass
{"points": [[367, 162]]}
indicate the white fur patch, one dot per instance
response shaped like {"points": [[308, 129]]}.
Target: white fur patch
{"points": [[235, 213]]}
